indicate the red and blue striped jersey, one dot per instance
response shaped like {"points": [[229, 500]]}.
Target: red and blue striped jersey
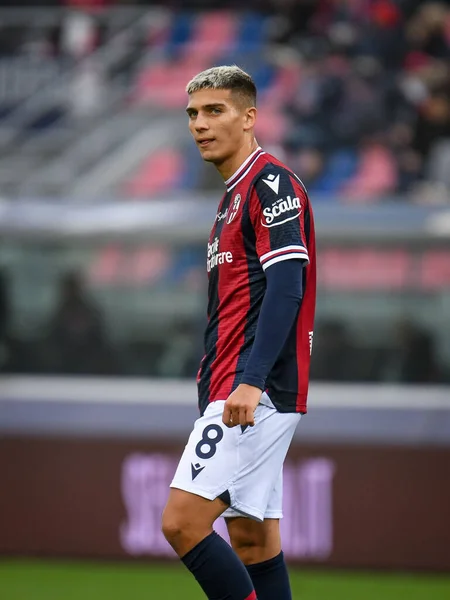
{"points": [[264, 217]]}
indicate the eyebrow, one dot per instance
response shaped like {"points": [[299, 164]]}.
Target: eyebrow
{"points": [[206, 106]]}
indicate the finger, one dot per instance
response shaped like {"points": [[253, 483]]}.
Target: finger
{"points": [[226, 416], [250, 417], [243, 416], [235, 417]]}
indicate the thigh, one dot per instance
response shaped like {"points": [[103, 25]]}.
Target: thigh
{"points": [[184, 510], [274, 508], [210, 459], [257, 490], [239, 466], [254, 541]]}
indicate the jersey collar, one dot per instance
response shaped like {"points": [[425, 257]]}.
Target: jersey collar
{"points": [[242, 170]]}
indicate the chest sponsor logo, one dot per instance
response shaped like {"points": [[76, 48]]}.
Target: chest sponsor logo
{"points": [[215, 257], [281, 211]]}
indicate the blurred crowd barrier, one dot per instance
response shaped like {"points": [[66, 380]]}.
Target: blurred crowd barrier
{"points": [[120, 289]]}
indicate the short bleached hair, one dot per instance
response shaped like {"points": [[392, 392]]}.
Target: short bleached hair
{"points": [[225, 78]]}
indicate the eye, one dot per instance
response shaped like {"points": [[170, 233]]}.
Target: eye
{"points": [[216, 111], [192, 114]]}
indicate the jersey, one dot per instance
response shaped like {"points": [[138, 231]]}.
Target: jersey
{"points": [[264, 217]]}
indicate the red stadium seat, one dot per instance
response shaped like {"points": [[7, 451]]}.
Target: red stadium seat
{"points": [[214, 33], [377, 175], [160, 172], [163, 83], [271, 126]]}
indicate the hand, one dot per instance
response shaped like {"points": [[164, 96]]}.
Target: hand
{"points": [[240, 406]]}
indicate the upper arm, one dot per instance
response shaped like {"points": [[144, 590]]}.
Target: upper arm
{"points": [[278, 205]]}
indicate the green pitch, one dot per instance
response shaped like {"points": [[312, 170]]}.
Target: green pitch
{"points": [[35, 580]]}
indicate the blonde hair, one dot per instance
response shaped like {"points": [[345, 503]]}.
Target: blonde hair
{"points": [[225, 78]]}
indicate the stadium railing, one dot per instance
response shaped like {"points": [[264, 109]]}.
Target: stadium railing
{"points": [[378, 267]]}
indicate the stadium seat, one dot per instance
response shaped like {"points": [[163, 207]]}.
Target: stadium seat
{"points": [[180, 32], [376, 175], [160, 172], [251, 32], [283, 84], [213, 32], [191, 176], [271, 125], [340, 167]]}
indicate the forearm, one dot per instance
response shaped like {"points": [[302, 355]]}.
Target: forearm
{"points": [[278, 312]]}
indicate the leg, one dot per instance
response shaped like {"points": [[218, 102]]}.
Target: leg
{"points": [[258, 543], [188, 519], [187, 525], [254, 542], [259, 547]]}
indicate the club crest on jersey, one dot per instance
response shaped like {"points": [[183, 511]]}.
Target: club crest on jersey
{"points": [[234, 209], [281, 211]]}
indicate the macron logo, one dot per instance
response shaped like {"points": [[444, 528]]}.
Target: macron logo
{"points": [[273, 182], [196, 470]]}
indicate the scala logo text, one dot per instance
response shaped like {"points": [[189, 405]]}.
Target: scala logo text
{"points": [[279, 208], [215, 257]]}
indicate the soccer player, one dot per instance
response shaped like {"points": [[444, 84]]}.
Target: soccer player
{"points": [[253, 378]]}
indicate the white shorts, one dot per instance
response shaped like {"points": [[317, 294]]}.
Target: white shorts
{"points": [[247, 464]]}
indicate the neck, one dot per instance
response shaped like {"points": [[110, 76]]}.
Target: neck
{"points": [[232, 164]]}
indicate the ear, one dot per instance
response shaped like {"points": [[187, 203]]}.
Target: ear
{"points": [[250, 118]]}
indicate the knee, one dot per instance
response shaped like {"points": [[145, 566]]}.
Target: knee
{"points": [[187, 519], [172, 526], [248, 547], [182, 531]]}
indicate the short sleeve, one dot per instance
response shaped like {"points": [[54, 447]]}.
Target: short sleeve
{"points": [[278, 205]]}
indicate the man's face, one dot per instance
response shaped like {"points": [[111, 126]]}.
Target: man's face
{"points": [[217, 123]]}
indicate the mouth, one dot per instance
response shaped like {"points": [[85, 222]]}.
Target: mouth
{"points": [[205, 143]]}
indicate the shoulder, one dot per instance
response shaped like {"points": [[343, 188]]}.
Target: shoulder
{"points": [[275, 178]]}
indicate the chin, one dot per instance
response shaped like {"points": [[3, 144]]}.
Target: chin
{"points": [[212, 157]]}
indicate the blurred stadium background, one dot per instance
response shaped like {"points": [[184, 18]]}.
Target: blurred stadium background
{"points": [[105, 206]]}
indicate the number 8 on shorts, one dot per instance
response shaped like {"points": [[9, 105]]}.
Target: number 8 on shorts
{"points": [[209, 442]]}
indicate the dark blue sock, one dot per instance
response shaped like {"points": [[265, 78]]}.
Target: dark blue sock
{"points": [[219, 570], [271, 579]]}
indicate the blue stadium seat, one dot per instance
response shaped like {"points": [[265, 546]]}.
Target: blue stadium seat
{"points": [[340, 167], [263, 76], [190, 178], [181, 31], [251, 32]]}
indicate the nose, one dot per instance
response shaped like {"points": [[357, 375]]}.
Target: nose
{"points": [[201, 123]]}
